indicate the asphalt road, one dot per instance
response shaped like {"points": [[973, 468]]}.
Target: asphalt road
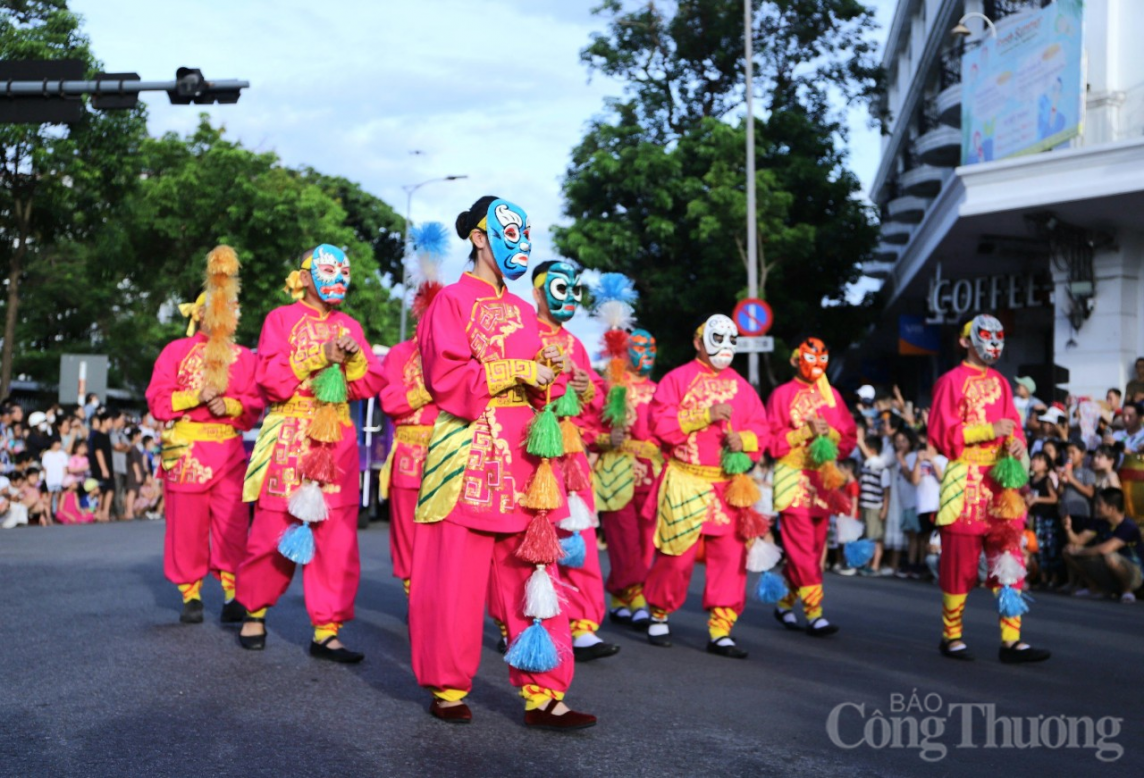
{"points": [[98, 678]]}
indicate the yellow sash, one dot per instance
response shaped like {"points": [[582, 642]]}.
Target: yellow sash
{"points": [[409, 434], [615, 480], [952, 501], [177, 439], [260, 457], [786, 484], [685, 497], [445, 464]]}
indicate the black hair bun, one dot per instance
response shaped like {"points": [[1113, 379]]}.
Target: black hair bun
{"points": [[462, 225]]}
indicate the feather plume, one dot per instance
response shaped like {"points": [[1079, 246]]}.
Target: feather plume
{"points": [[430, 240], [616, 314], [423, 296], [614, 287]]}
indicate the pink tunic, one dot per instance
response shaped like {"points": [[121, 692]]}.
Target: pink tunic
{"points": [[289, 353], [404, 388], [677, 414], [179, 370], [474, 338], [641, 439]]}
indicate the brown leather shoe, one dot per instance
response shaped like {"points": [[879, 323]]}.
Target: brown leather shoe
{"points": [[453, 714], [541, 718]]}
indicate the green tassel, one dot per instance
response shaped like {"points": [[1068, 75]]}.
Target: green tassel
{"points": [[736, 462], [545, 440], [1009, 474], [616, 406], [567, 405], [329, 386], [823, 450]]}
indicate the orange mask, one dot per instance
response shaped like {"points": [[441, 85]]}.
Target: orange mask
{"points": [[812, 359]]}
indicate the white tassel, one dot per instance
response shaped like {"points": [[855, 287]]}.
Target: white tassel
{"points": [[580, 517], [1008, 569], [540, 599], [308, 504], [849, 529], [763, 556], [617, 315]]}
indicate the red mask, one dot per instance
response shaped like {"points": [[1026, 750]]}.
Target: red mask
{"points": [[812, 359]]}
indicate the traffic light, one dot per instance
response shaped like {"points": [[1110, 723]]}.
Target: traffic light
{"points": [[191, 87]]}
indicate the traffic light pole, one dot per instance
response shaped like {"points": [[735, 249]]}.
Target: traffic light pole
{"points": [[108, 87]]}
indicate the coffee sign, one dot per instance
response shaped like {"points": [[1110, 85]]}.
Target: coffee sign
{"points": [[949, 299]]}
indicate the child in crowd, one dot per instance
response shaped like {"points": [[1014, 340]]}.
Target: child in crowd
{"points": [[1042, 500], [32, 498], [55, 463], [927, 467], [853, 491], [79, 465], [874, 499], [933, 554], [150, 500], [71, 510], [1104, 468]]}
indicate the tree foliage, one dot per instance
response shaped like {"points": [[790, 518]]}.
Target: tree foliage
{"points": [[656, 189]]}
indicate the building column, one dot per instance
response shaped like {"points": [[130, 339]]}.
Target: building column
{"points": [[1101, 354]]}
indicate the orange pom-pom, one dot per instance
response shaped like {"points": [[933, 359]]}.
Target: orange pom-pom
{"points": [[742, 492], [573, 443], [575, 476], [751, 524], [1009, 505], [832, 477], [543, 490], [222, 260], [325, 426], [540, 545], [617, 372]]}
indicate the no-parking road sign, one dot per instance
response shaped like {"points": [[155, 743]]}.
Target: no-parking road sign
{"points": [[753, 317]]}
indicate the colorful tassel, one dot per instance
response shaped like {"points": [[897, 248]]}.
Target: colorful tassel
{"points": [[1012, 602], [771, 587], [735, 462], [580, 516], [543, 493], [1009, 473], [308, 504], [742, 492], [325, 427], [822, 450], [614, 286], [1009, 504], [318, 465], [329, 386], [751, 524], [575, 551], [297, 544], [533, 650], [763, 556], [570, 437], [540, 545], [832, 478], [859, 553], [615, 412], [1008, 569], [540, 598], [616, 344], [849, 529], [575, 476], [568, 405], [544, 437]]}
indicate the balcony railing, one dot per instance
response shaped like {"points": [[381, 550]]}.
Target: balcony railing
{"points": [[999, 9], [950, 72]]}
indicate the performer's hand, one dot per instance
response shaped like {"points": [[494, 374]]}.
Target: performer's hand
{"points": [[1003, 428], [206, 394], [217, 406], [617, 437], [580, 380], [721, 412], [820, 426], [348, 345], [552, 355], [734, 441], [334, 352], [1017, 448], [544, 375]]}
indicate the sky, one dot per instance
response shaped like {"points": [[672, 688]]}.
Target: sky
{"points": [[392, 94]]}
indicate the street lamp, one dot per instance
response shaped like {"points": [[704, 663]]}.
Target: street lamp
{"points": [[409, 190], [965, 32]]}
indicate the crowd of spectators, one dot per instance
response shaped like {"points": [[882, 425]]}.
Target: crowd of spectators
{"points": [[77, 465]]}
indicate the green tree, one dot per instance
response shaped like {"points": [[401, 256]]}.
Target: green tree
{"points": [[656, 189], [56, 183]]}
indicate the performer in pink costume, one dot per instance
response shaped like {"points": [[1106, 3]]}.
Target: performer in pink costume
{"points": [[304, 466], [481, 353], [699, 410], [203, 388]]}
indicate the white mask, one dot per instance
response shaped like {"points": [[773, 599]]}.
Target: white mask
{"points": [[719, 338], [987, 337]]}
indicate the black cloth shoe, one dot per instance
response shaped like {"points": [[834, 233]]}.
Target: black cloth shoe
{"points": [[541, 718], [597, 651], [452, 714], [253, 642], [192, 612], [663, 641], [232, 613], [1013, 655], [816, 631], [640, 619], [793, 626], [964, 654], [502, 645], [616, 617], [729, 650], [341, 655]]}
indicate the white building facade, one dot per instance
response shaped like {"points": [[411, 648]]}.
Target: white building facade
{"points": [[1053, 241]]}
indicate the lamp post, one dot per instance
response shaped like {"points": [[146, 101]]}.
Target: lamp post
{"points": [[752, 215], [961, 29], [409, 190]]}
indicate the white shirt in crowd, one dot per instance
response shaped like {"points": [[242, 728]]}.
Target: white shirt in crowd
{"points": [[55, 468], [928, 489]]}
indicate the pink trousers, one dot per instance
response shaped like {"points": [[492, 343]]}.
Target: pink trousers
{"points": [[631, 546], [726, 584], [330, 580], [585, 584], [452, 568], [402, 504], [803, 538], [206, 531]]}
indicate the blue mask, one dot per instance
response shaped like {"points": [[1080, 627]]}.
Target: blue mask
{"points": [[330, 269], [562, 290], [508, 230], [641, 350]]}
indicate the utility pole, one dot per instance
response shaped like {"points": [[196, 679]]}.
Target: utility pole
{"points": [[409, 190], [752, 209]]}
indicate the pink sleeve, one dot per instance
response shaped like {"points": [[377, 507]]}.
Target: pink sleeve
{"points": [[370, 384], [164, 383], [751, 416], [394, 395], [945, 427], [664, 413], [244, 387], [454, 377], [778, 418], [274, 373]]}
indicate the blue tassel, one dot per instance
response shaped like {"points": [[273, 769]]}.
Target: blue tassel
{"points": [[533, 650], [771, 588], [574, 550], [859, 553], [1012, 602], [614, 286], [430, 238], [297, 544]]}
